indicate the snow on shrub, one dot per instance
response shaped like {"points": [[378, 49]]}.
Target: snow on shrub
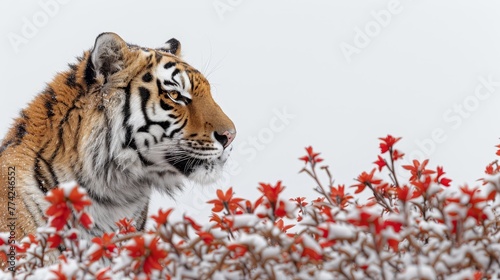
{"points": [[418, 228]]}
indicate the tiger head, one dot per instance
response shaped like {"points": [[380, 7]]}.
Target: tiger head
{"points": [[168, 122]]}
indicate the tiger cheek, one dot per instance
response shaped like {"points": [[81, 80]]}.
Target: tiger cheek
{"points": [[164, 98]]}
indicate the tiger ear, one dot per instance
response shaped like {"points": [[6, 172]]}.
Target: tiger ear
{"points": [[172, 46], [108, 53]]}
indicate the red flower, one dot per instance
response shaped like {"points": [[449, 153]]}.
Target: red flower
{"points": [[281, 225], [55, 196], [106, 247], [454, 226], [25, 245], [380, 162], [338, 196], [422, 186], [280, 211], [125, 226], [58, 211], [477, 214], [307, 244], [249, 207], [301, 201], [387, 143], [492, 195], [225, 201], [471, 193], [162, 216], [489, 169], [311, 254], [86, 220], [151, 254], [238, 249], [418, 169], [443, 181], [393, 243], [270, 192], [196, 226], [474, 210], [78, 199], [366, 219], [396, 226], [364, 180], [223, 223], [318, 202], [72, 235], [54, 240], [137, 250], [207, 237], [311, 156], [154, 257], [397, 154], [405, 195], [325, 231], [327, 212]]}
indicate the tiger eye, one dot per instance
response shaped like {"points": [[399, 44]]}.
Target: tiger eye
{"points": [[173, 94]]}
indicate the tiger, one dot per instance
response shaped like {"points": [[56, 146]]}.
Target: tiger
{"points": [[121, 122]]}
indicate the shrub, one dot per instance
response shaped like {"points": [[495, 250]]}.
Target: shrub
{"points": [[414, 228]]}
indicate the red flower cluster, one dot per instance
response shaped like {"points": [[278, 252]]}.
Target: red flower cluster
{"points": [[338, 235], [366, 179], [492, 168], [386, 143], [106, 247], [60, 208], [339, 197], [272, 201], [377, 226], [125, 226], [226, 201], [148, 255], [311, 156]]}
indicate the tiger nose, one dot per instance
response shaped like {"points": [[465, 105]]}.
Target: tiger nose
{"points": [[226, 137]]}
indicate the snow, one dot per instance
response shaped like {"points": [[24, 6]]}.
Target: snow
{"points": [[68, 187], [418, 272], [309, 242], [255, 241], [270, 252], [245, 220], [340, 231]]}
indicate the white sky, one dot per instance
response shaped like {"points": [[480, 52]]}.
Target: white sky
{"points": [[418, 73]]}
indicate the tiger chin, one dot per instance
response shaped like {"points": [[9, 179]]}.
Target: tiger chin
{"points": [[122, 121]]}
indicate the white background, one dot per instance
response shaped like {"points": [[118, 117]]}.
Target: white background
{"points": [[407, 76]]}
